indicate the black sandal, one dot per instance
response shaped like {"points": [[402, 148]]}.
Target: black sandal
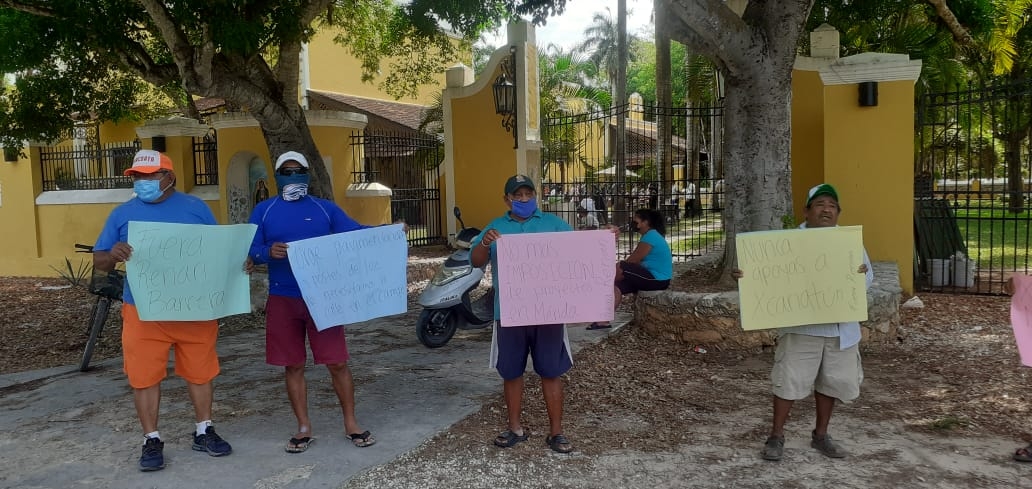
{"points": [[559, 443], [594, 326], [508, 439]]}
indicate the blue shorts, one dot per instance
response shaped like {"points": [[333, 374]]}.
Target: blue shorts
{"points": [[545, 343]]}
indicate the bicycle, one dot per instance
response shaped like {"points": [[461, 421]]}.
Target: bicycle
{"points": [[107, 286]]}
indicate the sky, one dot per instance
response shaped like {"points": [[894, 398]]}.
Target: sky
{"points": [[567, 30]]}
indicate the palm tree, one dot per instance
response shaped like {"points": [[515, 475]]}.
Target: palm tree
{"points": [[566, 96]]}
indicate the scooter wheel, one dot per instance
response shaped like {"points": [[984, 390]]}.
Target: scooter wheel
{"points": [[436, 327]]}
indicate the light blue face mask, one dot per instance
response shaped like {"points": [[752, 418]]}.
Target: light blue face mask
{"points": [[524, 210], [148, 190]]}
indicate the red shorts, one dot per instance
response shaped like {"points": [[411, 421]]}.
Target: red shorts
{"points": [[145, 346], [287, 322]]}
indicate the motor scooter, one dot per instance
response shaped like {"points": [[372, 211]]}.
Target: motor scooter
{"points": [[446, 300]]}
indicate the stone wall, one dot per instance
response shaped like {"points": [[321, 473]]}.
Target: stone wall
{"points": [[712, 319]]}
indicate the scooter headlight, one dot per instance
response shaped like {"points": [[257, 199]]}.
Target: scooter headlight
{"points": [[448, 275]]}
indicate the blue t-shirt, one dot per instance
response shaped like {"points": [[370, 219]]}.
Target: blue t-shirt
{"points": [[538, 222], [178, 208], [281, 221], [659, 262]]}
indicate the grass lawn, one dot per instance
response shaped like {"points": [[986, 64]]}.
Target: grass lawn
{"points": [[996, 238]]}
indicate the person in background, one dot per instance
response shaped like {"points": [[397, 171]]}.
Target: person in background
{"points": [[649, 267], [146, 344], [586, 221], [689, 199]]}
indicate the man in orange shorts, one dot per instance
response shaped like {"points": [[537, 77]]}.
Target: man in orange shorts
{"points": [[146, 344]]}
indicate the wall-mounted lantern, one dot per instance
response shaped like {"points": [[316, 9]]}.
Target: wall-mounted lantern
{"points": [[504, 89]]}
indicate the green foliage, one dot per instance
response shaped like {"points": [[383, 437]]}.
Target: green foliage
{"points": [[949, 423], [788, 221], [76, 276]]}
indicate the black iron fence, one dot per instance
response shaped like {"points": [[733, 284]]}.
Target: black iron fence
{"points": [[87, 167], [972, 188], [578, 164], [408, 164], [206, 159]]}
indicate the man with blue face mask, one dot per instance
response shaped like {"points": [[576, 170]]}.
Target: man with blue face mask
{"points": [[146, 344], [546, 343], [291, 216]]}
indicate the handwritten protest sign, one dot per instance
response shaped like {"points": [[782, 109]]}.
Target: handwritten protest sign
{"points": [[1021, 317], [351, 277], [189, 272], [552, 278], [797, 277]]}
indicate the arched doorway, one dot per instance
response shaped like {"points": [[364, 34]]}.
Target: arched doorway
{"points": [[246, 185]]}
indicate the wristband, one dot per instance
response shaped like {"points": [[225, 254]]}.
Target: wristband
{"points": [[485, 244]]}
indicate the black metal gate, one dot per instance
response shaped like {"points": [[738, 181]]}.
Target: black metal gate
{"points": [[409, 164], [579, 170], [87, 164], [972, 188]]}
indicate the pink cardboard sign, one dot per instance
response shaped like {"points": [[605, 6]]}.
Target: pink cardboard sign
{"points": [[1021, 317], [552, 278]]}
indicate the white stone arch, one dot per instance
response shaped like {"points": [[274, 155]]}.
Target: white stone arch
{"points": [[245, 171]]}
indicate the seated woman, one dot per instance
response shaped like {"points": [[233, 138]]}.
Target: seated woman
{"points": [[650, 266]]}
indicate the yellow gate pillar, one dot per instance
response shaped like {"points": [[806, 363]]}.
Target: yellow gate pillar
{"points": [[853, 127], [479, 151]]}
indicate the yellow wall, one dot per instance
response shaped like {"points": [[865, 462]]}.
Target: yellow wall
{"points": [[333, 68], [483, 158], [18, 189], [807, 136], [118, 132], [368, 210], [869, 159]]}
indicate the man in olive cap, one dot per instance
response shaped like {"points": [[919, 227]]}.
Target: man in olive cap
{"points": [[820, 358], [547, 344]]}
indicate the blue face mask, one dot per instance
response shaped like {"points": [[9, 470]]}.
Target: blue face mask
{"points": [[292, 187], [148, 190], [524, 210]]}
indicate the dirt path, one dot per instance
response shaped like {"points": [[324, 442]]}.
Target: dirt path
{"points": [[944, 408]]}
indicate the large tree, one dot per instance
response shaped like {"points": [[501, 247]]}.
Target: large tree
{"points": [[68, 53], [756, 51]]}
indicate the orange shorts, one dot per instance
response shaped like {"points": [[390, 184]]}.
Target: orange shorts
{"points": [[145, 346]]}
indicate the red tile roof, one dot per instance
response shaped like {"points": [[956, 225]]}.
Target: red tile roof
{"points": [[399, 113]]}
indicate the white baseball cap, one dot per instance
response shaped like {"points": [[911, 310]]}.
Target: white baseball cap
{"points": [[291, 156]]}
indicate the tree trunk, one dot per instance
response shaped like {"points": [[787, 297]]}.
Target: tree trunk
{"points": [[620, 213], [1015, 182], [758, 175], [664, 102]]}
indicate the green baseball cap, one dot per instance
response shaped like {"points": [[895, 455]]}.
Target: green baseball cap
{"points": [[822, 189], [516, 181]]}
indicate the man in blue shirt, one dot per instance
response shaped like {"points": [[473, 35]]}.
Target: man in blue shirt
{"points": [[548, 344], [146, 344], [291, 216]]}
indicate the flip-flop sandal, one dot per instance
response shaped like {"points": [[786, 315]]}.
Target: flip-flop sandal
{"points": [[362, 440], [1024, 454], [298, 445], [508, 439], [594, 326], [559, 443]]}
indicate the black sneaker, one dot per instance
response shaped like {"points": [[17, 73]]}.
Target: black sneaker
{"points": [[152, 458], [212, 443]]}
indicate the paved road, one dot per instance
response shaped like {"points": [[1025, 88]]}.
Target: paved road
{"points": [[66, 429]]}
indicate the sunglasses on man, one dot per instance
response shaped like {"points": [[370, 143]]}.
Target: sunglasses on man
{"points": [[293, 171]]}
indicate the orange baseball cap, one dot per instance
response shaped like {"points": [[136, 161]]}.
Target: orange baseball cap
{"points": [[149, 161]]}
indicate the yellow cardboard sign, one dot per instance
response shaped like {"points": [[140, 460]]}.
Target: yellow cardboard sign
{"points": [[801, 276]]}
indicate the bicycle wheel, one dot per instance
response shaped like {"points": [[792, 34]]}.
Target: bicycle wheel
{"points": [[97, 320]]}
